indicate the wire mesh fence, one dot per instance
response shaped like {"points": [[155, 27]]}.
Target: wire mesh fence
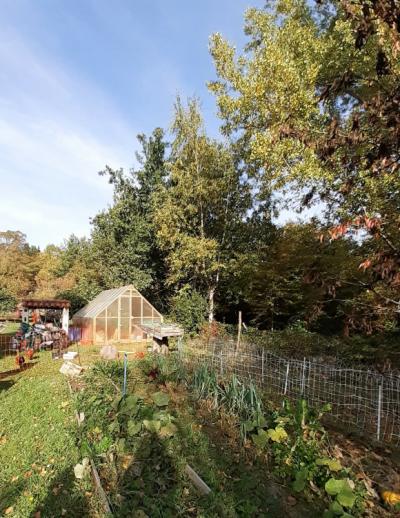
{"points": [[6, 343], [366, 400]]}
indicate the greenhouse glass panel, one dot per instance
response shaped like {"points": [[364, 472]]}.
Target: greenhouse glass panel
{"points": [[124, 329], [112, 310], [137, 307], [115, 314], [112, 329], [125, 307], [147, 310]]}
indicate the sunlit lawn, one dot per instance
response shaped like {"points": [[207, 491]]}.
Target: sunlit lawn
{"points": [[37, 443]]}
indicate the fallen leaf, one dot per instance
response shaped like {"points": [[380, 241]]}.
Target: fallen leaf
{"points": [[9, 510], [15, 478], [27, 474]]}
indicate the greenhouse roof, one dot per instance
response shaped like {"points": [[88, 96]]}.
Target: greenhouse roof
{"points": [[102, 301]]}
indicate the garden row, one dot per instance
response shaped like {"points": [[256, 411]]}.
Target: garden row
{"points": [[258, 460]]}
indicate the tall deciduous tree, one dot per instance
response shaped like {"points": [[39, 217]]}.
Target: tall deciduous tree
{"points": [[18, 264], [201, 212], [315, 99]]}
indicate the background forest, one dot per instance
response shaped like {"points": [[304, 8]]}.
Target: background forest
{"points": [[310, 118]]}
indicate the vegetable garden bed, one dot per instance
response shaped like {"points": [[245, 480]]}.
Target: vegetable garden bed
{"points": [[142, 444], [258, 461]]}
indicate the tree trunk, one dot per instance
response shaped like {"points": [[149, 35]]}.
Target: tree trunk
{"points": [[211, 305]]}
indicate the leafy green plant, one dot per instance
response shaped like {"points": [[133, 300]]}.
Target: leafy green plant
{"points": [[292, 436], [189, 308]]}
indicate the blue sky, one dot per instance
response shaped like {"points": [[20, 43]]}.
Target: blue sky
{"points": [[79, 79]]}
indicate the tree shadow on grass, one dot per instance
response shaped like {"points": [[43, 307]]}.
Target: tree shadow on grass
{"points": [[5, 385], [150, 482], [65, 497], [14, 372], [9, 493]]}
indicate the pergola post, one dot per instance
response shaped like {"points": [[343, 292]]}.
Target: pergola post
{"points": [[65, 319]]}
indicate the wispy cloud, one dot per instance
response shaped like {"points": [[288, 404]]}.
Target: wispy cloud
{"points": [[56, 132]]}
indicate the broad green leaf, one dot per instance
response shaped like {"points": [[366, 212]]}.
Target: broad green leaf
{"points": [[161, 398], [333, 486], [260, 439], [129, 405], [336, 508], [134, 427], [249, 425], [332, 464], [277, 434], [152, 426], [114, 426], [300, 481], [346, 497]]}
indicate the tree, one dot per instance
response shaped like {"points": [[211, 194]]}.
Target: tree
{"points": [[7, 301], [18, 264], [315, 101], [300, 278], [123, 236], [201, 210]]}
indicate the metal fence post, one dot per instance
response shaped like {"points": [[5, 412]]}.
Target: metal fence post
{"points": [[221, 367], [125, 368], [380, 396], [303, 377], [262, 367], [286, 379]]}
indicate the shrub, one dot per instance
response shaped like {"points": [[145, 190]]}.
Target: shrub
{"points": [[7, 301], [189, 308]]}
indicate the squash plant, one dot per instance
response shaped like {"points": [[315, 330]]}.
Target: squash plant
{"points": [[295, 439]]}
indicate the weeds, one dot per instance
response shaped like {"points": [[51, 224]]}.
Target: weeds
{"points": [[292, 438]]}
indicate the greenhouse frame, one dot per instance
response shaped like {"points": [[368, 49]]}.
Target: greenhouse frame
{"points": [[115, 315]]}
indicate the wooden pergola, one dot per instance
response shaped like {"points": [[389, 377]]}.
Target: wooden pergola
{"points": [[55, 304]]}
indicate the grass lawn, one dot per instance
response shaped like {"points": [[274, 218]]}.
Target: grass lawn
{"points": [[10, 327], [38, 444]]}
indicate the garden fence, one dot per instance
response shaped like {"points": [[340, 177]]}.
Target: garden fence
{"points": [[362, 399]]}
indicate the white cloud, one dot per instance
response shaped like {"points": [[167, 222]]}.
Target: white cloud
{"points": [[56, 132]]}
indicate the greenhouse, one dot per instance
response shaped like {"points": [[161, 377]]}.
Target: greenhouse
{"points": [[115, 315]]}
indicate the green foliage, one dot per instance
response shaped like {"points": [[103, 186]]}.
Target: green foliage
{"points": [[7, 301], [293, 438], [141, 449], [189, 308], [307, 104], [123, 237], [160, 399], [200, 212]]}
